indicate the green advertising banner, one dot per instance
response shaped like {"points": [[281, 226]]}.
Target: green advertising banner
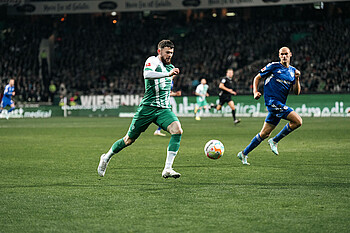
{"points": [[33, 111], [246, 106]]}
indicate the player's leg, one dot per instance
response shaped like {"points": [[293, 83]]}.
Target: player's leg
{"points": [[221, 103], [174, 144], [197, 114], [232, 106], [138, 125], [196, 108], [200, 105], [116, 147], [264, 133], [269, 125], [12, 107], [295, 122], [205, 105], [167, 120]]}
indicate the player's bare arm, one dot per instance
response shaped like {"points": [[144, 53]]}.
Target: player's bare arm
{"points": [[222, 86], [256, 93], [296, 86]]}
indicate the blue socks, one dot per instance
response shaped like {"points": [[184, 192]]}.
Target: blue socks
{"points": [[257, 139], [254, 143], [284, 132]]}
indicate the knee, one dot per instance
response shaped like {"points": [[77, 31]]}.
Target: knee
{"points": [[297, 124], [175, 128], [177, 131], [300, 122], [264, 135], [128, 141]]}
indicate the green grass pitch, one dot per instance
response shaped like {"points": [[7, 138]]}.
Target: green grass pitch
{"points": [[49, 181]]}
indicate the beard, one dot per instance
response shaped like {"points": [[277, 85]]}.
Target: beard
{"points": [[165, 61]]}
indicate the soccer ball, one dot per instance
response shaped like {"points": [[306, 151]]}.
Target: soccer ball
{"points": [[214, 149]]}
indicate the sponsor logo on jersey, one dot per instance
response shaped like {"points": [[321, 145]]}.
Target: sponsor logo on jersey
{"points": [[148, 64], [283, 81]]}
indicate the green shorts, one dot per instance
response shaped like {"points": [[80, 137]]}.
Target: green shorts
{"points": [[202, 103], [146, 115]]}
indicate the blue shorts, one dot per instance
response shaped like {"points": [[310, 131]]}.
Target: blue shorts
{"points": [[6, 102], [276, 113]]}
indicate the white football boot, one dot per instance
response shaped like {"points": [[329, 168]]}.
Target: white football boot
{"points": [[169, 172], [158, 133], [243, 158], [102, 166], [273, 146]]}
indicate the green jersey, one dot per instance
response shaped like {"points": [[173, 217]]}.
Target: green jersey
{"points": [[201, 89], [157, 83]]}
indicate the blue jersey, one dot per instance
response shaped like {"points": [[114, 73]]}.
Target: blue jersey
{"points": [[278, 82], [6, 99], [8, 92]]}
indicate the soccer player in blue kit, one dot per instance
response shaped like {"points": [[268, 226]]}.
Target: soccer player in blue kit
{"points": [[280, 77], [8, 93]]}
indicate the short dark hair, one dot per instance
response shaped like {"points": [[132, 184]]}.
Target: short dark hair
{"points": [[165, 43]]}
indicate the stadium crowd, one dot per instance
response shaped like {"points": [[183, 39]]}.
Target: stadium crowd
{"points": [[92, 55]]}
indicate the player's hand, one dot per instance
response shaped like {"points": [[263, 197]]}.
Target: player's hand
{"points": [[233, 92], [297, 74], [13, 93], [178, 93], [174, 71], [257, 95], [207, 95]]}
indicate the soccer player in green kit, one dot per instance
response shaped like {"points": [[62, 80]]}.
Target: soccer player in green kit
{"points": [[201, 93], [154, 108]]}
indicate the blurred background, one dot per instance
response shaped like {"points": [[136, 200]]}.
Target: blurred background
{"points": [[103, 53]]}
